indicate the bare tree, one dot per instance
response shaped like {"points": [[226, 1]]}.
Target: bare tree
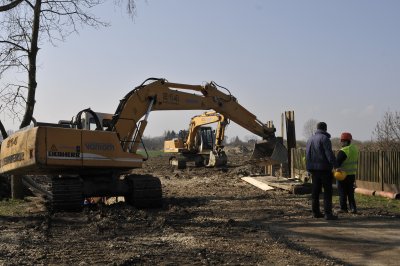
{"points": [[24, 26], [310, 126], [387, 131]]}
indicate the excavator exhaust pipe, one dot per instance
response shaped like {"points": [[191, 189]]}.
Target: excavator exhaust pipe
{"points": [[217, 159], [270, 150]]}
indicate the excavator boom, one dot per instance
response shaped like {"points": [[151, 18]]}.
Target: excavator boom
{"points": [[162, 95]]}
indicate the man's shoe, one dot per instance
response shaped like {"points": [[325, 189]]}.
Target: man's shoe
{"points": [[330, 217], [317, 215], [354, 211]]}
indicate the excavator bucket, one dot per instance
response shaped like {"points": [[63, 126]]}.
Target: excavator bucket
{"points": [[217, 159], [271, 150]]}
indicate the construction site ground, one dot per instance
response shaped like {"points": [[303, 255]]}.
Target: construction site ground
{"points": [[209, 217]]}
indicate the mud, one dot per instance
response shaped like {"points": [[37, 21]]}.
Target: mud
{"points": [[209, 217]]}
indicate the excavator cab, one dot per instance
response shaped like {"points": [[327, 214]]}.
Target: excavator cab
{"points": [[207, 146], [206, 137], [89, 122]]}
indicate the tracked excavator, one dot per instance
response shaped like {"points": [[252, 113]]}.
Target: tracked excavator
{"points": [[200, 145], [98, 163]]}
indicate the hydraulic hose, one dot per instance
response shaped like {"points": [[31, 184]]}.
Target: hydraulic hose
{"points": [[78, 119]]}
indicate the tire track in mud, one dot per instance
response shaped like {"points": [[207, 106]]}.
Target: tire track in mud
{"points": [[20, 238], [70, 241]]}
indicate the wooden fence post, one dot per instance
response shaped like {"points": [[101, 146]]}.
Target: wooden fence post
{"points": [[380, 163], [292, 156], [290, 136], [17, 188]]}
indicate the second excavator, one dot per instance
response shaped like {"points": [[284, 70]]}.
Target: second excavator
{"points": [[200, 144]]}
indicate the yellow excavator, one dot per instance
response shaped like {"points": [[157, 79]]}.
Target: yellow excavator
{"points": [[200, 144], [98, 163]]}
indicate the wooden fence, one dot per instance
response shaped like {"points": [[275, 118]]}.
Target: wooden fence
{"points": [[378, 170]]}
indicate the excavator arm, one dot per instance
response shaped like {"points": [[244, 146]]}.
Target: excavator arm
{"points": [[130, 118]]}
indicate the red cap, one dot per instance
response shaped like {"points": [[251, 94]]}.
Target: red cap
{"points": [[346, 136]]}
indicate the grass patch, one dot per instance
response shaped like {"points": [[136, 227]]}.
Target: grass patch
{"points": [[391, 205], [375, 202], [12, 207]]}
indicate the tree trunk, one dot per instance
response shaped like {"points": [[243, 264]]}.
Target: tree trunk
{"points": [[32, 54], [17, 188]]}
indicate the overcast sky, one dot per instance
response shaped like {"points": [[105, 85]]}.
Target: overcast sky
{"points": [[333, 61]]}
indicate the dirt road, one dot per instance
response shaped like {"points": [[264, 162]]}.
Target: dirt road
{"points": [[209, 217]]}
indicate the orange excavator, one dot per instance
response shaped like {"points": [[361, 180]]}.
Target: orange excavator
{"points": [[97, 163]]}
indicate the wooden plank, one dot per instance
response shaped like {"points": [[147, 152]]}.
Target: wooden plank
{"points": [[291, 185], [278, 182], [257, 183]]}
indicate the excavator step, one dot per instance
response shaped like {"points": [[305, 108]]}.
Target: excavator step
{"points": [[145, 191], [67, 193]]}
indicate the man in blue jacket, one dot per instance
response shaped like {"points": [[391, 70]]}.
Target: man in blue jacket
{"points": [[320, 161]]}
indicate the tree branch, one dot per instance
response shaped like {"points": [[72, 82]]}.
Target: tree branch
{"points": [[16, 45], [3, 130], [24, 28], [10, 5]]}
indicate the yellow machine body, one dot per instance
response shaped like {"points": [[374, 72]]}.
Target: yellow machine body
{"points": [[43, 150], [174, 145]]}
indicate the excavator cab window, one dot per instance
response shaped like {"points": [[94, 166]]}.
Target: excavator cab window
{"points": [[207, 138], [92, 124], [104, 122], [183, 134]]}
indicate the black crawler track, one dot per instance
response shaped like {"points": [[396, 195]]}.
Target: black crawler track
{"points": [[67, 194], [145, 191]]}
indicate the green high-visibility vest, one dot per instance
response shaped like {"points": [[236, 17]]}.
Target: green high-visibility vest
{"points": [[351, 162]]}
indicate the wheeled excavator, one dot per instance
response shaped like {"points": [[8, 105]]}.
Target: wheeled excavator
{"points": [[201, 145], [98, 163]]}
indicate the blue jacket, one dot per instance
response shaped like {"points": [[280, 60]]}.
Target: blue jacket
{"points": [[319, 154]]}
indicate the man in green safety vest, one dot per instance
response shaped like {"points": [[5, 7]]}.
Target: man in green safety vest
{"points": [[347, 161]]}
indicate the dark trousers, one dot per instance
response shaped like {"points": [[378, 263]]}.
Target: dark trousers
{"points": [[346, 192], [321, 179]]}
